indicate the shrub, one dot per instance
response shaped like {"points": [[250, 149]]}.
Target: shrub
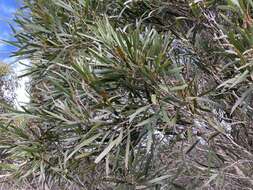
{"points": [[134, 95]]}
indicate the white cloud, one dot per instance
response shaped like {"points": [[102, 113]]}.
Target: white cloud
{"points": [[22, 97], [10, 60], [1, 44]]}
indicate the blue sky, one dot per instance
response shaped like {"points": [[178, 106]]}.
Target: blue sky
{"points": [[7, 10]]}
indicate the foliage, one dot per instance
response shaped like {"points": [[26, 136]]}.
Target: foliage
{"points": [[134, 95]]}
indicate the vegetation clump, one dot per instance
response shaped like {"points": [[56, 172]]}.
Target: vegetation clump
{"points": [[133, 95]]}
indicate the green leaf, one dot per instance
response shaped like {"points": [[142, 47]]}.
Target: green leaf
{"points": [[81, 145], [241, 99], [109, 147], [137, 112]]}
